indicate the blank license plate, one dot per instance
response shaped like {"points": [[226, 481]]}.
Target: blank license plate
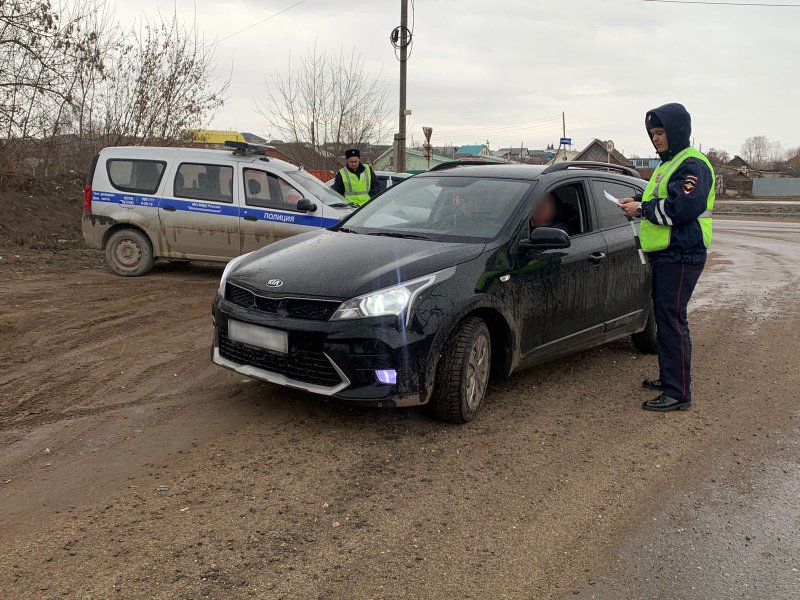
{"points": [[255, 335]]}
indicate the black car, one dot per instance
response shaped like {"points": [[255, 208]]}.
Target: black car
{"points": [[419, 295]]}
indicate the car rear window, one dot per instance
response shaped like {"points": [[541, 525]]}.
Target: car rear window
{"points": [[135, 176], [197, 181]]}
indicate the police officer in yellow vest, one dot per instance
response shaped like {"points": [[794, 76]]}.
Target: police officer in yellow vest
{"points": [[676, 233], [356, 181]]}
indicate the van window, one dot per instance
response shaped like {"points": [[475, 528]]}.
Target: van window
{"points": [[266, 190], [135, 176], [204, 182]]}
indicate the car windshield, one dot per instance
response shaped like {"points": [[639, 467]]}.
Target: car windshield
{"points": [[457, 209], [321, 192]]}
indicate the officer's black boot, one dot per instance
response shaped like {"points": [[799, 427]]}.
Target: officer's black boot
{"points": [[664, 403]]}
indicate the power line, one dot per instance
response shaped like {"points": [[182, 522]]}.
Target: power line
{"points": [[721, 3], [280, 12], [530, 126]]}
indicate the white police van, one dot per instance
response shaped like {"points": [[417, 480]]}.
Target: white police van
{"points": [[145, 203]]}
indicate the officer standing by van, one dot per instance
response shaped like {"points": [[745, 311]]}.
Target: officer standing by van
{"points": [[356, 181], [675, 232]]}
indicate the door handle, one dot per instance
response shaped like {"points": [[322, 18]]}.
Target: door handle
{"points": [[597, 258], [250, 218], [169, 208]]}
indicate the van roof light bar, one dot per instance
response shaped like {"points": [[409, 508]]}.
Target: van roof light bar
{"points": [[243, 148]]}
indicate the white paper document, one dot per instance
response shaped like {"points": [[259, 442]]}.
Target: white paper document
{"points": [[611, 198]]}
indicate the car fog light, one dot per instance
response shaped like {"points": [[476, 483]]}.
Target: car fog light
{"points": [[387, 376]]}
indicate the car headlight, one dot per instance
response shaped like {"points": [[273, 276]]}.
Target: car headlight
{"points": [[228, 268], [397, 300]]}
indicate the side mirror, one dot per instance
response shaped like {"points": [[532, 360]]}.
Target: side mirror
{"points": [[306, 205], [546, 238]]}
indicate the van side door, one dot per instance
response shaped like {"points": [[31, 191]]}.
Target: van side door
{"points": [[199, 216], [628, 289], [269, 210]]}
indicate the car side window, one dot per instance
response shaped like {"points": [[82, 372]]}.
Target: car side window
{"points": [[563, 207], [135, 176], [266, 190], [204, 182], [608, 215]]}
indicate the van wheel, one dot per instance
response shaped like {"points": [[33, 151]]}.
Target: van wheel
{"points": [[645, 340], [462, 376], [129, 253]]}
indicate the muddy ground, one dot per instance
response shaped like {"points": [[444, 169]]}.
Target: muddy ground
{"points": [[562, 487]]}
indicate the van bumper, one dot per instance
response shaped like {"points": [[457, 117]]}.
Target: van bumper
{"points": [[94, 228]]}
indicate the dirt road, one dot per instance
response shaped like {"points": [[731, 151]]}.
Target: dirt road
{"points": [[107, 393]]}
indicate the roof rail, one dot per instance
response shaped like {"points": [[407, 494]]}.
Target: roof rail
{"points": [[460, 163], [592, 165], [243, 148]]}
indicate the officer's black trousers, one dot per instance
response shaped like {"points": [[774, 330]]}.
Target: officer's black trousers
{"points": [[673, 284]]}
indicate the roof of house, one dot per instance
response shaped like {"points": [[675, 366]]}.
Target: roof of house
{"points": [[513, 150], [597, 149], [473, 150], [737, 161]]}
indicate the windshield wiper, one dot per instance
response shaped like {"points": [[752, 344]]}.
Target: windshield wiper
{"points": [[340, 205], [346, 230], [397, 234]]}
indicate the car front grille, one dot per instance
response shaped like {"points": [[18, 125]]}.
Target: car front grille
{"points": [[301, 364], [295, 308]]}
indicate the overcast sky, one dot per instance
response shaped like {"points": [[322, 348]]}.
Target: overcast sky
{"points": [[504, 70]]}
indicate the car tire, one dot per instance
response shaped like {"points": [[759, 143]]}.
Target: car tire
{"points": [[645, 340], [129, 253], [462, 376]]}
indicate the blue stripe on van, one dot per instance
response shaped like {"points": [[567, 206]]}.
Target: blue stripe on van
{"points": [[211, 208]]}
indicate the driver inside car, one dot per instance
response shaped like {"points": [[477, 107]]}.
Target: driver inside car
{"points": [[546, 213]]}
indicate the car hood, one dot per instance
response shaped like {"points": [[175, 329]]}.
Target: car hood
{"points": [[344, 265]]}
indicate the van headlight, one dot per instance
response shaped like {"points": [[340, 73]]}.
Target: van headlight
{"points": [[228, 268], [397, 300]]}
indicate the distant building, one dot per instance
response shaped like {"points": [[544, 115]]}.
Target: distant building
{"points": [[563, 154], [473, 151], [597, 151], [415, 161], [737, 162], [645, 163], [514, 154]]}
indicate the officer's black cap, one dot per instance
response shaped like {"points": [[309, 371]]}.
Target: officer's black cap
{"points": [[352, 152]]}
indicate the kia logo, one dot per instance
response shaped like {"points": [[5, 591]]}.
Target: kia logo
{"points": [[274, 283]]}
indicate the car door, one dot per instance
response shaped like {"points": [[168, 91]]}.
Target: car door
{"points": [[628, 288], [562, 291], [198, 215], [269, 211]]}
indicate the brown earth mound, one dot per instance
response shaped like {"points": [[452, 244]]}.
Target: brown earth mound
{"points": [[44, 214]]}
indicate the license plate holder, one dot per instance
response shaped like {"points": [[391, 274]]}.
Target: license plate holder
{"points": [[256, 335]]}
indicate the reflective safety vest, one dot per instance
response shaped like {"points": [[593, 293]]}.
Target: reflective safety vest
{"points": [[356, 189], [657, 237]]}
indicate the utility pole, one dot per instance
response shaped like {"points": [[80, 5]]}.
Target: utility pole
{"points": [[400, 162], [563, 124]]}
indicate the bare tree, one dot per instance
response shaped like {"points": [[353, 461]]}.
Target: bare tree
{"points": [[717, 157], [160, 85], [757, 151], [72, 80], [329, 102]]}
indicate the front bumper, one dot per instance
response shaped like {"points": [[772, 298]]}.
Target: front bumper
{"points": [[337, 359]]}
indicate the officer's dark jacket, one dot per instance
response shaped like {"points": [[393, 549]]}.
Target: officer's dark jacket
{"points": [[688, 190], [374, 186]]}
